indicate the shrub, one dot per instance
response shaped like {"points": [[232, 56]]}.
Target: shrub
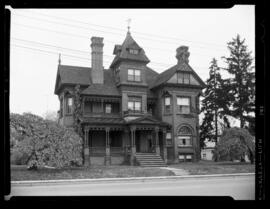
{"points": [[234, 144], [43, 142]]}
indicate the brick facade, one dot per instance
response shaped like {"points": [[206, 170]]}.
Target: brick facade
{"points": [[114, 132]]}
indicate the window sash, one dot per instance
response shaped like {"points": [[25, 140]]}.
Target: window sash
{"points": [[184, 141], [167, 101], [134, 75], [130, 105], [168, 135], [69, 101], [137, 106], [183, 78], [183, 101], [133, 51], [183, 105], [186, 78], [108, 108], [69, 105]]}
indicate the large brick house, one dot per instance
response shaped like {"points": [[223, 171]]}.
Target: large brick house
{"points": [[130, 110]]}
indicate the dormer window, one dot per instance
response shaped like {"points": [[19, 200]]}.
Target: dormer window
{"points": [[133, 51], [134, 75], [183, 78]]}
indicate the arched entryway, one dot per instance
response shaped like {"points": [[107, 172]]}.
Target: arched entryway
{"points": [[185, 143]]}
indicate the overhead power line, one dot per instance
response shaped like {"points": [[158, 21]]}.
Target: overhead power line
{"points": [[80, 51], [114, 28], [82, 58], [160, 50], [118, 34]]}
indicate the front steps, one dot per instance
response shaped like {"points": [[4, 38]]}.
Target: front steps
{"points": [[149, 160]]}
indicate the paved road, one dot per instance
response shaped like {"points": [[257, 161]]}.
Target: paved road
{"points": [[240, 188]]}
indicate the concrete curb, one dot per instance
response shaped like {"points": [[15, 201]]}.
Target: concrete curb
{"points": [[102, 180]]}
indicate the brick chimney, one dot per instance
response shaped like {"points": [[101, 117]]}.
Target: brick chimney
{"points": [[182, 54], [97, 60]]}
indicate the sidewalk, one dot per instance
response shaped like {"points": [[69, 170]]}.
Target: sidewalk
{"points": [[103, 180], [177, 171]]}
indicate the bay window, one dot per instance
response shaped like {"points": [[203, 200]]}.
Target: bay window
{"points": [[183, 105], [135, 104]]}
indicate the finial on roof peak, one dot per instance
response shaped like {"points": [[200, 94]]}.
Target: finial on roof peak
{"points": [[128, 21], [59, 59]]}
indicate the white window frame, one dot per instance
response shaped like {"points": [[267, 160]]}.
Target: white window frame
{"points": [[134, 75], [133, 51], [180, 137], [181, 106], [69, 105], [106, 108]]}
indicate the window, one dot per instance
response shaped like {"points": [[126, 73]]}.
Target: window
{"points": [[134, 104], [183, 104], [169, 138], [167, 108], [184, 137], [204, 155], [185, 157], [108, 108], [183, 78], [134, 75], [181, 157], [69, 105], [133, 51], [184, 141], [87, 107]]}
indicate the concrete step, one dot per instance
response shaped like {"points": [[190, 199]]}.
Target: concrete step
{"points": [[150, 160]]}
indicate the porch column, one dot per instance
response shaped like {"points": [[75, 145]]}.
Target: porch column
{"points": [[164, 132], [133, 147], [108, 150], [86, 148], [157, 141]]}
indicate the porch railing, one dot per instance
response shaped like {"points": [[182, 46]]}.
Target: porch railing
{"points": [[113, 150], [97, 150]]}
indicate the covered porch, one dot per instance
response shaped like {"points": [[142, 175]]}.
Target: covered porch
{"points": [[116, 144]]}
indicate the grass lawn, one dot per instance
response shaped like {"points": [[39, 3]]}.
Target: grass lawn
{"points": [[20, 173], [209, 167]]}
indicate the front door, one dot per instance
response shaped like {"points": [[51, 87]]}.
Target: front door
{"points": [[149, 145]]}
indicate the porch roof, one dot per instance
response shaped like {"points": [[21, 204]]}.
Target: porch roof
{"points": [[98, 120], [148, 120]]}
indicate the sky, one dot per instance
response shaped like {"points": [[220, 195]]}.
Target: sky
{"points": [[39, 35]]}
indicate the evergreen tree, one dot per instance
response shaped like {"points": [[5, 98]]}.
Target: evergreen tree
{"points": [[213, 105], [240, 87]]}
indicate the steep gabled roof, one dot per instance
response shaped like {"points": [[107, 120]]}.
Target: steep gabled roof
{"points": [[67, 74], [167, 74], [108, 88], [82, 75], [122, 53]]}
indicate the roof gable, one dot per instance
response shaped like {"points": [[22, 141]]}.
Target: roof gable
{"points": [[168, 74], [122, 51]]}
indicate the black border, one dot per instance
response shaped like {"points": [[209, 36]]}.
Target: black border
{"points": [[261, 73]]}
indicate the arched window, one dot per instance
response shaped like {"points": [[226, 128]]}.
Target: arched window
{"points": [[184, 136]]}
